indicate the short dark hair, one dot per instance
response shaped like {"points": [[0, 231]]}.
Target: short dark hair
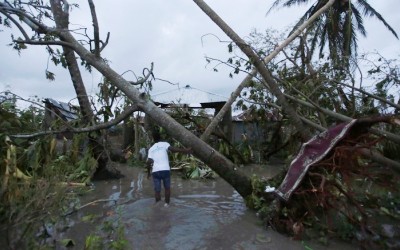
{"points": [[156, 136]]}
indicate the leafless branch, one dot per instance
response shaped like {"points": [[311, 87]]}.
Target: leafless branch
{"points": [[227, 64], [38, 6], [146, 77], [104, 44], [210, 34], [32, 42], [163, 80], [95, 29], [89, 204]]}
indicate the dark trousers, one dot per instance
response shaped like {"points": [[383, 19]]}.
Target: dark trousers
{"points": [[164, 177]]}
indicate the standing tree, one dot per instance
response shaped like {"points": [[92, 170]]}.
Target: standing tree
{"points": [[104, 168], [338, 27]]}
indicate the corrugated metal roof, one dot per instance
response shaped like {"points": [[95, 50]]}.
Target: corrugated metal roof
{"points": [[187, 95], [66, 110]]}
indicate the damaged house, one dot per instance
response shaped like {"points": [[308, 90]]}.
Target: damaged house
{"points": [[57, 114]]}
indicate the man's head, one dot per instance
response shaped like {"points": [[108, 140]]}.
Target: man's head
{"points": [[156, 136]]}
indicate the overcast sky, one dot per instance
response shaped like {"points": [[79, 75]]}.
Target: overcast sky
{"points": [[169, 33]]}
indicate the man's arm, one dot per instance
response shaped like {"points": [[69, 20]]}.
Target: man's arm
{"points": [[149, 166]]}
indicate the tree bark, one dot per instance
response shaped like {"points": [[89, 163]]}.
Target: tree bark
{"points": [[137, 136]]}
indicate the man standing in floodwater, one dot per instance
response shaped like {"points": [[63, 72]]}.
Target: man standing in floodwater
{"points": [[158, 164]]}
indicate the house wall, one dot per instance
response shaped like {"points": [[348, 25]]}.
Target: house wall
{"points": [[254, 133]]}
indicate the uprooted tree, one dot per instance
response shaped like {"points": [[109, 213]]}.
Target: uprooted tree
{"points": [[59, 35]]}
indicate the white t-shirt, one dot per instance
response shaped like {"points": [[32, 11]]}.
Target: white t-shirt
{"points": [[159, 153]]}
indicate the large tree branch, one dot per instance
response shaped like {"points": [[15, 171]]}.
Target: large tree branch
{"points": [[390, 136], [19, 26], [370, 95], [24, 16]]}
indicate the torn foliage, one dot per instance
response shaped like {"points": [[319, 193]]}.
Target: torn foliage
{"points": [[334, 189]]}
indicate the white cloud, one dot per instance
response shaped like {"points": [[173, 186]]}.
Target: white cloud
{"points": [[168, 33]]}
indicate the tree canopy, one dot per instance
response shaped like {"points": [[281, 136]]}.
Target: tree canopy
{"points": [[337, 28]]}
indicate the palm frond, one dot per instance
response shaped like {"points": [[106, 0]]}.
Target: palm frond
{"points": [[287, 3], [371, 12], [274, 6], [349, 38], [290, 3], [354, 44], [319, 29], [337, 27], [323, 38], [359, 20], [302, 20]]}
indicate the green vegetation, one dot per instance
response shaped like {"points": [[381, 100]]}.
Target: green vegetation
{"points": [[110, 235], [37, 177]]}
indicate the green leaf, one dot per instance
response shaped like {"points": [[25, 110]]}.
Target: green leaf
{"points": [[230, 48], [50, 75], [93, 242], [63, 62], [88, 218]]}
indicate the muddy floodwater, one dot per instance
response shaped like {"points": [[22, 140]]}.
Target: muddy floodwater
{"points": [[203, 214]]}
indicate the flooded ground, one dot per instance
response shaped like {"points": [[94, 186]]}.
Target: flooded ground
{"points": [[203, 214]]}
